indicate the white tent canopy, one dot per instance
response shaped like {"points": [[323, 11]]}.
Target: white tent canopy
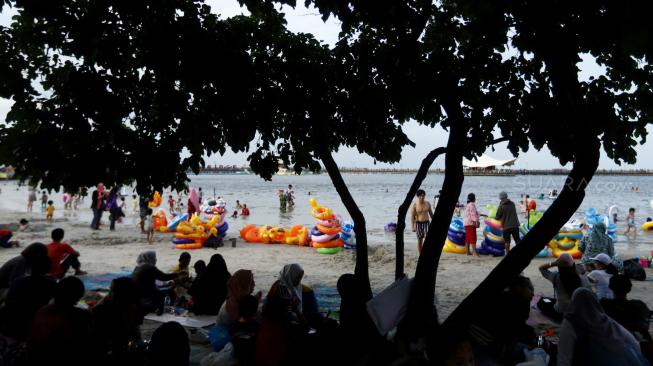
{"points": [[484, 162]]}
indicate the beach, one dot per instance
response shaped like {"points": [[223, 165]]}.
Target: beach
{"points": [[108, 252]]}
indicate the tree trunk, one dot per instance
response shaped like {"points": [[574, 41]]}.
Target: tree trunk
{"points": [[560, 55], [421, 315], [403, 208], [521, 255], [361, 269]]}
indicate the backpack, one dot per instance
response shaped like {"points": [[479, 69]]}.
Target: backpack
{"points": [[213, 242]]}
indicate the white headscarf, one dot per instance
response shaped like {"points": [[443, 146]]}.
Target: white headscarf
{"points": [[290, 280], [591, 323], [148, 257]]}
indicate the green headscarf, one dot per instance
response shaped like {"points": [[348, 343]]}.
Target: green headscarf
{"points": [[598, 237]]}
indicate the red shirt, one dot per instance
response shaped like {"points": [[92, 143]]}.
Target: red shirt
{"points": [[245, 211], [531, 205], [57, 252]]}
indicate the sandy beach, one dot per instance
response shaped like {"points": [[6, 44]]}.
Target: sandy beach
{"points": [[105, 251]]}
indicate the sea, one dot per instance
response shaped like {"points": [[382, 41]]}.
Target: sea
{"points": [[379, 196]]}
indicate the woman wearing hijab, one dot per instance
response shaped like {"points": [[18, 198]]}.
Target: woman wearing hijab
{"points": [[145, 275], [239, 285], [565, 281], [193, 202], [589, 337], [598, 242], [289, 288], [209, 290], [97, 205]]}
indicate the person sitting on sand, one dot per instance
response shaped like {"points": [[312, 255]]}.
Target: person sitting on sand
{"points": [[565, 281], [25, 297], [63, 256], [633, 315], [20, 266], [117, 319], [57, 326], [209, 289], [245, 330], [602, 271], [288, 289], [183, 282], [5, 239], [245, 211], [239, 285], [598, 242], [420, 216], [145, 275], [23, 225], [169, 346], [199, 267], [590, 337]]}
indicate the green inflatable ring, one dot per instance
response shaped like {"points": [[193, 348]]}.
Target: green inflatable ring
{"points": [[329, 250]]}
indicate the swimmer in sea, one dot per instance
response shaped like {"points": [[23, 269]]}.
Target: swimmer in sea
{"points": [[420, 215]]}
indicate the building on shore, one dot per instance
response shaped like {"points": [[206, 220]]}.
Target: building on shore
{"points": [[486, 165]]}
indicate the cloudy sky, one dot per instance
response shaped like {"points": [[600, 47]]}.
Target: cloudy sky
{"points": [[306, 20]]}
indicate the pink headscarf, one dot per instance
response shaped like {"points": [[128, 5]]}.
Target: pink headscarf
{"points": [[194, 198], [240, 284]]}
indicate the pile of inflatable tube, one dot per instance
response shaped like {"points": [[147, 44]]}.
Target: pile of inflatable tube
{"points": [[193, 233], [455, 242], [567, 240], [527, 226], [348, 236], [295, 235], [493, 243], [592, 217], [212, 207], [325, 236]]}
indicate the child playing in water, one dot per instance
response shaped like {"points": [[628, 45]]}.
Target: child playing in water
{"points": [[49, 212], [148, 225], [245, 211], [44, 201], [134, 204], [630, 222], [234, 215]]}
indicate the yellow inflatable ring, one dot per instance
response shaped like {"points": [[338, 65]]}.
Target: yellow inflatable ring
{"points": [[647, 225], [450, 247]]}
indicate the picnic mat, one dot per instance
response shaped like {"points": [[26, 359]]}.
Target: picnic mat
{"points": [[328, 298], [194, 321], [102, 281], [541, 323]]}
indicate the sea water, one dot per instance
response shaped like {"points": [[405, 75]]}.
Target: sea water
{"points": [[379, 196]]}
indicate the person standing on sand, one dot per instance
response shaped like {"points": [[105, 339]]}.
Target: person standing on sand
{"points": [[31, 198], [97, 205], [420, 215], [44, 201], [472, 222], [507, 214]]}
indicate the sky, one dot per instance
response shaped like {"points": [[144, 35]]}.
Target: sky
{"points": [[308, 20]]}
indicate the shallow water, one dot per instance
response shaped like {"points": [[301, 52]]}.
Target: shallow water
{"points": [[379, 195]]}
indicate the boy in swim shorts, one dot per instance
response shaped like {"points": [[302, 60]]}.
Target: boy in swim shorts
{"points": [[420, 215]]}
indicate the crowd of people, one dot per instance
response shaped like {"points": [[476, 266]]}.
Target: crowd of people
{"points": [[42, 323]]}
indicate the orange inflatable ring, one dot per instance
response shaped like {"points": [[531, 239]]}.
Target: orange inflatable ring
{"points": [[329, 244], [298, 235], [246, 229], [195, 237], [195, 245], [329, 230]]}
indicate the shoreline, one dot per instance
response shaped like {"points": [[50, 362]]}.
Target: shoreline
{"points": [[105, 251]]}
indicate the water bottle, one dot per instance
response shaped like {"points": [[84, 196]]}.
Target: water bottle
{"points": [[166, 304]]}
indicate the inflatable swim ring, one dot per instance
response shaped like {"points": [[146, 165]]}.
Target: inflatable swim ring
{"points": [[647, 225], [182, 241], [494, 224], [566, 244], [189, 246], [498, 245], [298, 235], [575, 253], [175, 222], [245, 229], [573, 235], [329, 244], [543, 253], [329, 230], [320, 212], [324, 238], [488, 250], [329, 250], [457, 225], [450, 247]]}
